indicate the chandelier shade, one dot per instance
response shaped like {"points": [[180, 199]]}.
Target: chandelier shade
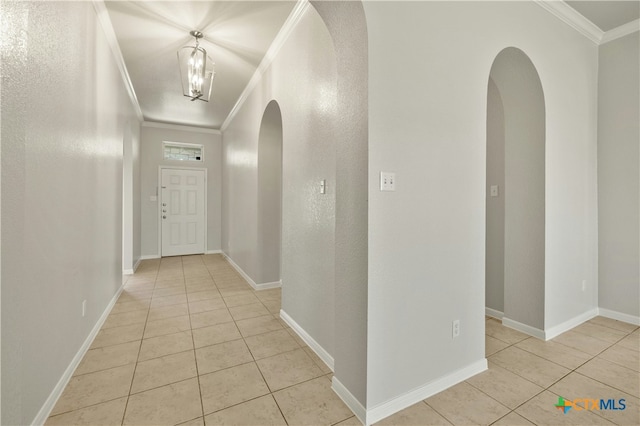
{"points": [[196, 70]]}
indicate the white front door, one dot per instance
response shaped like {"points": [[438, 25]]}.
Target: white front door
{"points": [[182, 211]]}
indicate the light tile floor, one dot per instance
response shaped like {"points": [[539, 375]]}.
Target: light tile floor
{"points": [[189, 342]]}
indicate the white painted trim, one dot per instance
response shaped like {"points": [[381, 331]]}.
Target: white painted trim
{"points": [[213, 252], [181, 127], [132, 271], [573, 18], [524, 328], [621, 31], [493, 313], [112, 40], [252, 283], [284, 33], [149, 257], [55, 394], [267, 286], [310, 341], [619, 316], [350, 400], [557, 330], [240, 271], [401, 402]]}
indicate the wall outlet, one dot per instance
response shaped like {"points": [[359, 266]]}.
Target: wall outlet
{"points": [[455, 329], [84, 307]]}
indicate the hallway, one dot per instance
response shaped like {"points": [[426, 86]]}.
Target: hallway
{"points": [[188, 337]]}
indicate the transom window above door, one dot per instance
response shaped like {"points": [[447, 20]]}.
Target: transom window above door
{"points": [[182, 151]]}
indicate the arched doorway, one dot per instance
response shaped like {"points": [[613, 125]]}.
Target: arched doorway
{"points": [[270, 194], [515, 233]]}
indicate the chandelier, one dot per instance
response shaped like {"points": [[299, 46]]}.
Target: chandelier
{"points": [[196, 70]]}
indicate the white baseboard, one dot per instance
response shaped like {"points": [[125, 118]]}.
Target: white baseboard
{"points": [[133, 270], [240, 271], [493, 313], [55, 394], [524, 328], [213, 252], [150, 256], [252, 283], [631, 319], [401, 402], [557, 330], [310, 341], [350, 400], [267, 286]]}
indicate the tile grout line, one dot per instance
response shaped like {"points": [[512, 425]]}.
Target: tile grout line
{"points": [[126, 405], [242, 337], [193, 344], [255, 361], [548, 388], [513, 410]]}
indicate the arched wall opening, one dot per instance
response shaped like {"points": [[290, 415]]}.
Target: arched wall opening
{"points": [[270, 194], [515, 208]]}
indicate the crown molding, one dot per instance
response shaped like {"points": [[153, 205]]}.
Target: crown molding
{"points": [[621, 31], [110, 34], [284, 33], [571, 17], [170, 126]]}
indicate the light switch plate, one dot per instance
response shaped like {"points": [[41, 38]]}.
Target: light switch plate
{"points": [[387, 181], [323, 186]]}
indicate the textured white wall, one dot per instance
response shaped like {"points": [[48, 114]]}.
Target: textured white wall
{"points": [[618, 176], [348, 28], [64, 111], [494, 245], [302, 79], [428, 68], [152, 137]]}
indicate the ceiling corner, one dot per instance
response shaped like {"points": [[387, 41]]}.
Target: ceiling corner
{"points": [[292, 20], [571, 17], [107, 28], [621, 31]]}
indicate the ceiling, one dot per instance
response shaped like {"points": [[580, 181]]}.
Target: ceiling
{"points": [[237, 35], [608, 15]]}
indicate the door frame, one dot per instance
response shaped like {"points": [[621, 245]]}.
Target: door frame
{"points": [[159, 197]]}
